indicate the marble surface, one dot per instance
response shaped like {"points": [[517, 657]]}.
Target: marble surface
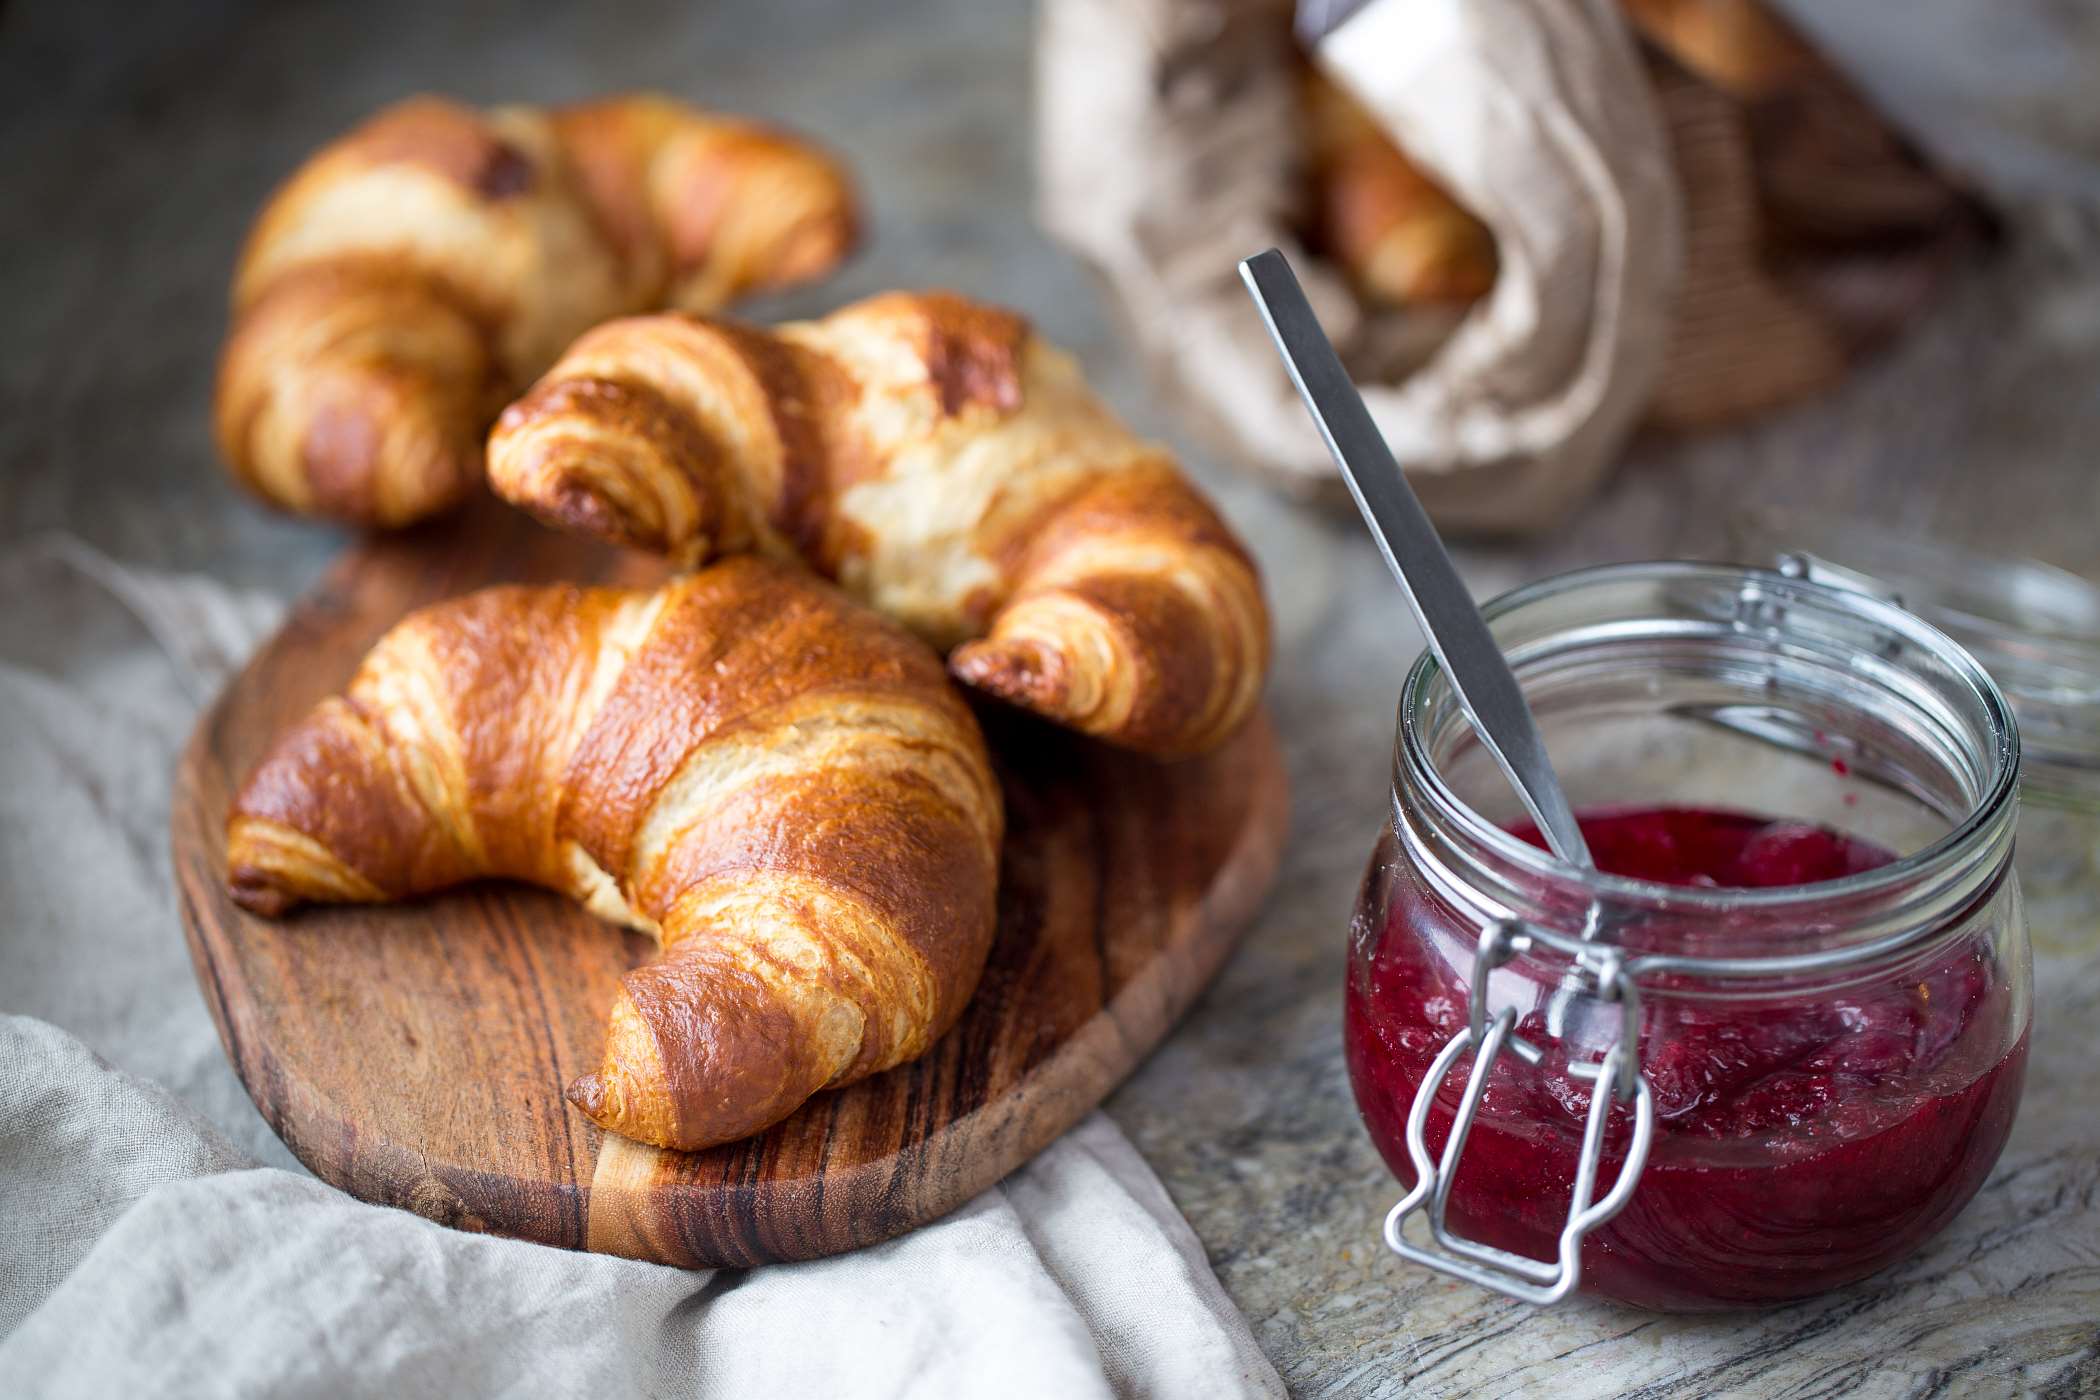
{"points": [[138, 140]]}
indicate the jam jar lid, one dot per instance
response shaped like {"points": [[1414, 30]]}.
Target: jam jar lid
{"points": [[2033, 626]]}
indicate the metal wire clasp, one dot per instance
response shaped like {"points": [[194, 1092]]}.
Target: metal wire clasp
{"points": [[1616, 1075]]}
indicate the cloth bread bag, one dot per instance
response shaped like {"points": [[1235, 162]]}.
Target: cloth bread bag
{"points": [[1166, 155], [1672, 249]]}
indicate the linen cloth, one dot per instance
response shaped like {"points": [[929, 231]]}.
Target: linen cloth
{"points": [[156, 1238]]}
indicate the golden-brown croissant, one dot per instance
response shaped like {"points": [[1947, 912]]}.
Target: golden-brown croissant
{"points": [[943, 463], [414, 274], [778, 784], [1400, 238]]}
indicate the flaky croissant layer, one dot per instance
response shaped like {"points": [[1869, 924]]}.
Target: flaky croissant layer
{"points": [[778, 784], [942, 462], [411, 276]]}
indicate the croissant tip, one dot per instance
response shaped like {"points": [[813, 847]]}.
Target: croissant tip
{"points": [[573, 505], [587, 1092], [1024, 673], [815, 250], [253, 892]]}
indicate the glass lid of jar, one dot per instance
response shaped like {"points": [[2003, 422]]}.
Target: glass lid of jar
{"points": [[2033, 626]]}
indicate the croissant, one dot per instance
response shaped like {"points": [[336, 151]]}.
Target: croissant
{"points": [[1401, 239], [943, 463], [414, 274], [776, 783]]}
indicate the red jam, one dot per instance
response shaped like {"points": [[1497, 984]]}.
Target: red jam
{"points": [[1800, 1144]]}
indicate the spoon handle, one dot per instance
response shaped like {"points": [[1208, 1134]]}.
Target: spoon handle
{"points": [[1477, 670]]}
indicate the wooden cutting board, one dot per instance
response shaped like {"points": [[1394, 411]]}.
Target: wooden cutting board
{"points": [[415, 1055]]}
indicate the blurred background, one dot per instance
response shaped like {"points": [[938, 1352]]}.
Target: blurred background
{"points": [[138, 141]]}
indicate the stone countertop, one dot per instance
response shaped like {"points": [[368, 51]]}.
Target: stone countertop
{"points": [[139, 141]]}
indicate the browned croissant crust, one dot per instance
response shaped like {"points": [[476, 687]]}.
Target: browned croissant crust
{"points": [[414, 274], [943, 463], [778, 784], [1400, 238]]}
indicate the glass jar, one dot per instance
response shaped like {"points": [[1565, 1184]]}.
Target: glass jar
{"points": [[1691, 1097], [2033, 626]]}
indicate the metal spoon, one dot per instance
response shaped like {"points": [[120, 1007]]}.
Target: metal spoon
{"points": [[1487, 689]]}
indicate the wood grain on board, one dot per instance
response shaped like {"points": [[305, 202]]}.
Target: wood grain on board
{"points": [[415, 1054]]}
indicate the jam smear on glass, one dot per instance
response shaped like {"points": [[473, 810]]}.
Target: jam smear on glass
{"points": [[1801, 1142]]}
